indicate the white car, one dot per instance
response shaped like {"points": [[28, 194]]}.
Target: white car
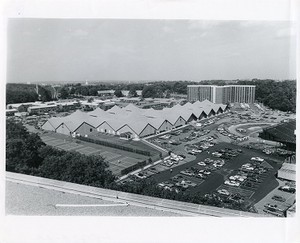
{"points": [[231, 183], [246, 165], [201, 163], [223, 191], [257, 159]]}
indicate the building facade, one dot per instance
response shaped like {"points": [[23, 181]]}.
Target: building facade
{"points": [[222, 94]]}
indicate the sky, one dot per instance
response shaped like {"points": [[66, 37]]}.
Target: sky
{"points": [[41, 50]]}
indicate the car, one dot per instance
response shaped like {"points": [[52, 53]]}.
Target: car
{"points": [[201, 163], [278, 198], [188, 173], [257, 159], [287, 189], [231, 183], [223, 192], [272, 206]]}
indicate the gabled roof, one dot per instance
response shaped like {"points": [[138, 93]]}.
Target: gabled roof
{"points": [[97, 112], [156, 122], [131, 107], [115, 109], [137, 122], [55, 121]]}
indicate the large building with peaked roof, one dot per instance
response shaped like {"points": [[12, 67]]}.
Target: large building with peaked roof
{"points": [[132, 119]]}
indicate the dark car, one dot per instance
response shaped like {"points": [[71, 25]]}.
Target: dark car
{"points": [[287, 189], [278, 198]]}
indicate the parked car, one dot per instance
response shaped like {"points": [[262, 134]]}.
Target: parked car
{"points": [[278, 198], [223, 192], [257, 159]]}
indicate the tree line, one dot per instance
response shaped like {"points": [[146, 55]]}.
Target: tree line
{"points": [[22, 93], [26, 153], [276, 95]]}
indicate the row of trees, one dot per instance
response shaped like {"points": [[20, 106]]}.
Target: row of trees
{"points": [[26, 153], [276, 95]]}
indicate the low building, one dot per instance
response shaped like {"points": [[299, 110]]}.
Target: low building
{"points": [[106, 93], [21, 107], [139, 122], [41, 109], [11, 112], [283, 133], [287, 172]]}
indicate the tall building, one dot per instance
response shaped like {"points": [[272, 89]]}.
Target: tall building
{"points": [[222, 94]]}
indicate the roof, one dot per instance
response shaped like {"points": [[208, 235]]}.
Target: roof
{"points": [[137, 119], [105, 91], [114, 109], [41, 107], [284, 132], [288, 166], [10, 110]]}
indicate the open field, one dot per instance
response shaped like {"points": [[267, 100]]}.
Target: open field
{"points": [[117, 159]]}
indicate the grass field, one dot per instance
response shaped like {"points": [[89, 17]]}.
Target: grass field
{"points": [[117, 159]]}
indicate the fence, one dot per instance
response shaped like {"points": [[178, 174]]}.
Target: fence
{"points": [[117, 146]]}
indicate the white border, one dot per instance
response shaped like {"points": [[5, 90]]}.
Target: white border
{"points": [[111, 229]]}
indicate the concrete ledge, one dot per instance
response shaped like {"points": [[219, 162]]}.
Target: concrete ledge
{"points": [[188, 209]]}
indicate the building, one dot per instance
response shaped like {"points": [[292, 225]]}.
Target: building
{"points": [[21, 107], [283, 133], [126, 92], [106, 93], [222, 94], [41, 109], [132, 119], [287, 172], [11, 112]]}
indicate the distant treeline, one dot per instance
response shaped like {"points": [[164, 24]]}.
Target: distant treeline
{"points": [[22, 93], [276, 95]]}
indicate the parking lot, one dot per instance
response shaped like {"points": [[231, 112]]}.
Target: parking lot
{"points": [[277, 201], [208, 173]]}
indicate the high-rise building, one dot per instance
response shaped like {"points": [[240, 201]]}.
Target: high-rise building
{"points": [[222, 94]]}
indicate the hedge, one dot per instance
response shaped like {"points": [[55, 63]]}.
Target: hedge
{"points": [[113, 145], [133, 167]]}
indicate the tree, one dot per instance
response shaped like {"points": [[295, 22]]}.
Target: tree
{"points": [[45, 94], [118, 93], [21, 148], [64, 93], [132, 93]]}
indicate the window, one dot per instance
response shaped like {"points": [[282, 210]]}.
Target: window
{"points": [[91, 129]]}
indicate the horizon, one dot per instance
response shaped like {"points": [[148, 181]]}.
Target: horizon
{"points": [[124, 50]]}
